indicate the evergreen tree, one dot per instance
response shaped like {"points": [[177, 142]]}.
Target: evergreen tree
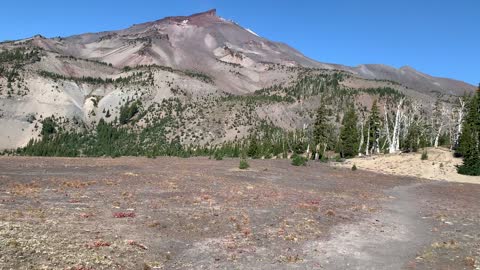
{"points": [[412, 141], [469, 146], [321, 132], [48, 127], [253, 150], [128, 111], [349, 139], [374, 128]]}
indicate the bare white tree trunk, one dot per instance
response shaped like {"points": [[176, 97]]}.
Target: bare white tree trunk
{"points": [[458, 132], [399, 129], [439, 122], [389, 139], [395, 141], [437, 137], [361, 140]]}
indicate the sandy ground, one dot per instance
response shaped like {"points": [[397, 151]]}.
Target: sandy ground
{"points": [[441, 165], [171, 213]]}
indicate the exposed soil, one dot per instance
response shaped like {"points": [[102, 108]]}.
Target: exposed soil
{"points": [[170, 213], [440, 165]]}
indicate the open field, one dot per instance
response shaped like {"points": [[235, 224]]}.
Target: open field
{"points": [[169, 213]]}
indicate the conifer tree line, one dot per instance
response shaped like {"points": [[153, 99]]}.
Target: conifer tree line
{"points": [[469, 139], [359, 131]]}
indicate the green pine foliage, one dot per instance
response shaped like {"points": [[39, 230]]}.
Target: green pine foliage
{"points": [[253, 148], [322, 132], [128, 111], [106, 140], [48, 127], [19, 56], [374, 126], [349, 136], [469, 146], [138, 76], [414, 138], [218, 155]]}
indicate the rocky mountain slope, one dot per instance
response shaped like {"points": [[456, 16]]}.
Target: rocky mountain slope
{"points": [[215, 79]]}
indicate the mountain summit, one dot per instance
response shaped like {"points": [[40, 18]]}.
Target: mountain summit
{"points": [[204, 42]]}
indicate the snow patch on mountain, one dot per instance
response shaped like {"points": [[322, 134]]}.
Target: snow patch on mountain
{"points": [[249, 30]]}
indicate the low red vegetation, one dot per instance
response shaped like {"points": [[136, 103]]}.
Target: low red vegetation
{"points": [[135, 243], [86, 215], [98, 244], [80, 268], [124, 215], [101, 244]]}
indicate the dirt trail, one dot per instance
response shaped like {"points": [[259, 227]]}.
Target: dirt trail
{"points": [[387, 240]]}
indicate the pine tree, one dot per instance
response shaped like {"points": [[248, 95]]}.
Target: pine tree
{"points": [[349, 134], [321, 132], [469, 146], [412, 141], [374, 128], [253, 150], [48, 127]]}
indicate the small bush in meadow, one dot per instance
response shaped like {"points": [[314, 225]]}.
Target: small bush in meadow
{"points": [[354, 167], [218, 155], [299, 160], [243, 165], [424, 155]]}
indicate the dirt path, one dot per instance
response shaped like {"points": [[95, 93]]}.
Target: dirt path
{"points": [[387, 240]]}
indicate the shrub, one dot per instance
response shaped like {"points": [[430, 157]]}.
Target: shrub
{"points": [[218, 155], [354, 167], [424, 155], [243, 165], [299, 160]]}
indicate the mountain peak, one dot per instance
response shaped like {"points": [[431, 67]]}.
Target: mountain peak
{"points": [[207, 16], [211, 12], [407, 68]]}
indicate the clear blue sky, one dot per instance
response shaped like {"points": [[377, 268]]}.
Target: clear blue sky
{"points": [[438, 37]]}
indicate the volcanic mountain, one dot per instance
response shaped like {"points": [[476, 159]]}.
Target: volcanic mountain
{"points": [[205, 42], [193, 58]]}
